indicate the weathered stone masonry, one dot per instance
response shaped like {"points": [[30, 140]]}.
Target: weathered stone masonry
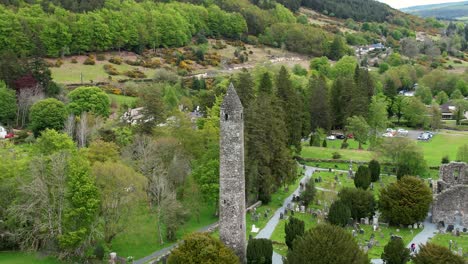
{"points": [[450, 203], [232, 229]]}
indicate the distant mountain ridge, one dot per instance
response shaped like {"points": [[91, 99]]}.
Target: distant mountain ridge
{"points": [[449, 11]]}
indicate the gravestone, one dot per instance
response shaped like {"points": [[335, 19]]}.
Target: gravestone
{"points": [[302, 209], [449, 228], [366, 220], [415, 226]]}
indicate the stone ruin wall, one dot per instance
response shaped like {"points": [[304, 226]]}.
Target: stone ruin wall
{"points": [[451, 195]]}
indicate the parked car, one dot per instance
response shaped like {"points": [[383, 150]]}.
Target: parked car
{"points": [[351, 136], [3, 132], [10, 135], [402, 132], [331, 137], [340, 136], [429, 133], [424, 136]]}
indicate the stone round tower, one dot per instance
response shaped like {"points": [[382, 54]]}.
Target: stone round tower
{"points": [[231, 174]]}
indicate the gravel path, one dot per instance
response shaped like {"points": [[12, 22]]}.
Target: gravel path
{"points": [[267, 231], [429, 231]]}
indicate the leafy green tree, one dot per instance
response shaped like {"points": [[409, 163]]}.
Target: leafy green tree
{"points": [[89, 99], [84, 204], [374, 167], [48, 113], [383, 67], [326, 244], [431, 253], [456, 95], [337, 48], [345, 67], [293, 229], [462, 153], [425, 94], [395, 252], [441, 98], [339, 213], [405, 201], [321, 65], [461, 107], [415, 112], [50, 141], [360, 129], [202, 248], [362, 179], [7, 104], [404, 152], [154, 111], [308, 195], [359, 201], [259, 251], [436, 117]]}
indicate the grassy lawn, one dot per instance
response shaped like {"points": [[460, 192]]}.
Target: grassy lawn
{"points": [[328, 181], [443, 240], [22, 258], [122, 99], [141, 238], [346, 154], [71, 73], [445, 143]]}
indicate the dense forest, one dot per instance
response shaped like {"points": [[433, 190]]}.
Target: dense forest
{"points": [[359, 10]]}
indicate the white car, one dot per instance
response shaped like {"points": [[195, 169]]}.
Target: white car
{"points": [[331, 137], [3, 132], [402, 132]]}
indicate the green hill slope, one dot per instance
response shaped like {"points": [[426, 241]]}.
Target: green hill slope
{"points": [[450, 11]]}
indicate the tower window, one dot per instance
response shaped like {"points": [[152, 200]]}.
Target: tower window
{"points": [[226, 117]]}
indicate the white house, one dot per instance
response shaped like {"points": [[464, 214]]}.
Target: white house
{"points": [[3, 132]]}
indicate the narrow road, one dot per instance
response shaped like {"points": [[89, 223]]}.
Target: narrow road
{"points": [[267, 231], [166, 250]]}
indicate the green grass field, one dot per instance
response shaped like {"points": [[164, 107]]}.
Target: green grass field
{"points": [[346, 154], [443, 240], [141, 237], [122, 99], [71, 73], [446, 143], [24, 258]]}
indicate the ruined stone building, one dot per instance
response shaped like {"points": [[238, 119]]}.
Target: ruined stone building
{"points": [[450, 192], [232, 229]]}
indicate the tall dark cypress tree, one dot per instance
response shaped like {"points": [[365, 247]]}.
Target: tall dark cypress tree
{"points": [[364, 90], [291, 107], [338, 102], [319, 104], [245, 87]]}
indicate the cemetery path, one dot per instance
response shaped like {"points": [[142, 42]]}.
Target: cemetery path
{"points": [[166, 250], [427, 233], [267, 231]]}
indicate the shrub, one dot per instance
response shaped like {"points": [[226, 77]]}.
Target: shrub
{"points": [[74, 60], [435, 254], [111, 70], [324, 143], [294, 228], [100, 57], [445, 159], [344, 145], [405, 201], [116, 60], [374, 167], [133, 63], [58, 63], [99, 252], [202, 248], [339, 214], [135, 73], [326, 244], [336, 155], [90, 60], [259, 251], [362, 179], [152, 64], [395, 252]]}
